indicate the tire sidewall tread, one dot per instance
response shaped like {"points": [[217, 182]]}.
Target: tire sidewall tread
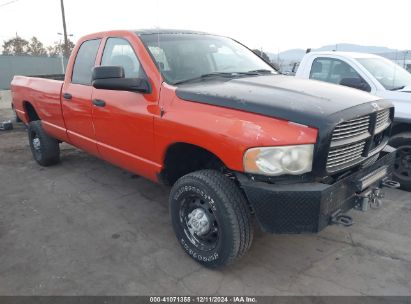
{"points": [[50, 148], [232, 213], [397, 141]]}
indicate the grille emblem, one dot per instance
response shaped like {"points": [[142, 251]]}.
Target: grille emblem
{"points": [[378, 139]]}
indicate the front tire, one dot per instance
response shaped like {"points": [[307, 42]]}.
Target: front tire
{"points": [[45, 149], [211, 218], [402, 166]]}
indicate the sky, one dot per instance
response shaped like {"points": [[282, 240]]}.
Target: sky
{"points": [[269, 25]]}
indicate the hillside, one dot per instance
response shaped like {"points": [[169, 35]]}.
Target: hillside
{"points": [[297, 54]]}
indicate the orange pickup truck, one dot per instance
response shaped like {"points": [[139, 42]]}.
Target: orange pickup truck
{"points": [[235, 139]]}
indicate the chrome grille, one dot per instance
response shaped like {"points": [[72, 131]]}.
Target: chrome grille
{"points": [[351, 128], [344, 155], [383, 117], [353, 141]]}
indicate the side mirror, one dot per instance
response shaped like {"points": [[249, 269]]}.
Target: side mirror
{"points": [[106, 72], [112, 78], [356, 83]]}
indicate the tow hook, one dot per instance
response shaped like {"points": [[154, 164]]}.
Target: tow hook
{"points": [[375, 198], [342, 219], [391, 184], [370, 198]]}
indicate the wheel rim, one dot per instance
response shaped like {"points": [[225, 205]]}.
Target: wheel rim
{"points": [[36, 144], [199, 222], [402, 166]]}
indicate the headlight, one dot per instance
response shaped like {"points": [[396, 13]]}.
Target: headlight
{"points": [[275, 161]]}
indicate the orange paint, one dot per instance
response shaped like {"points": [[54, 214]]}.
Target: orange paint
{"points": [[130, 130]]}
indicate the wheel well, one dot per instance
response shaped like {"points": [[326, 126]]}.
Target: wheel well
{"points": [[182, 158], [30, 111]]}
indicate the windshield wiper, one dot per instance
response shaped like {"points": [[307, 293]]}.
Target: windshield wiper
{"points": [[224, 74], [397, 88], [261, 71], [205, 76]]}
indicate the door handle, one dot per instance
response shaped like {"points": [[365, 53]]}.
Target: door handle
{"points": [[67, 96], [99, 103]]}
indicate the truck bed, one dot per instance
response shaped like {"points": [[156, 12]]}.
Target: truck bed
{"points": [[45, 95]]}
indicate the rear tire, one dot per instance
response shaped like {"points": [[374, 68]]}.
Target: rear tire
{"points": [[211, 218], [45, 149], [402, 166]]}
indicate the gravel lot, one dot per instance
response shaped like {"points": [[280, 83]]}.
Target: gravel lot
{"points": [[86, 227]]}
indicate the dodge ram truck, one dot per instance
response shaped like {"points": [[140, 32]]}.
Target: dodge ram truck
{"points": [[233, 138]]}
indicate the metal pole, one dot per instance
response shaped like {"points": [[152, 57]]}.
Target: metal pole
{"points": [[64, 28], [62, 59]]}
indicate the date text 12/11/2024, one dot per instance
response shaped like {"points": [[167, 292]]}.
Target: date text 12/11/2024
{"points": [[199, 299]]}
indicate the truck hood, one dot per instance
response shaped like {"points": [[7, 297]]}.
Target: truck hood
{"points": [[308, 102]]}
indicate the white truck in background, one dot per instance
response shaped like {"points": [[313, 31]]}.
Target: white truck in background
{"points": [[379, 76]]}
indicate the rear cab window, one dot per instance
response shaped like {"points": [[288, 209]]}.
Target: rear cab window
{"points": [[85, 61]]}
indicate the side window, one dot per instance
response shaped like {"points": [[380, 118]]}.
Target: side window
{"points": [[84, 63], [320, 69], [342, 70], [332, 70], [118, 52]]}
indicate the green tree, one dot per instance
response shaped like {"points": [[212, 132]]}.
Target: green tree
{"points": [[54, 50], [36, 48], [70, 47], [58, 48], [15, 46]]}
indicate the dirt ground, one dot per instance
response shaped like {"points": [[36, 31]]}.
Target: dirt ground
{"points": [[85, 227]]}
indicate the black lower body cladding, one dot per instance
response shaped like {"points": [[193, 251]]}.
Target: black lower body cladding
{"points": [[308, 207]]}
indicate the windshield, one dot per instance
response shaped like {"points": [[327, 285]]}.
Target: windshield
{"points": [[390, 75], [182, 57]]}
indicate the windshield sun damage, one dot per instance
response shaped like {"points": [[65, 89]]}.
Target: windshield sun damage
{"points": [[390, 75], [188, 57]]}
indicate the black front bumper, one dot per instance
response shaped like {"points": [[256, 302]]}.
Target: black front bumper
{"points": [[307, 207]]}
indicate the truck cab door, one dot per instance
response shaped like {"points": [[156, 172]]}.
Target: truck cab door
{"points": [[76, 98], [122, 120]]}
